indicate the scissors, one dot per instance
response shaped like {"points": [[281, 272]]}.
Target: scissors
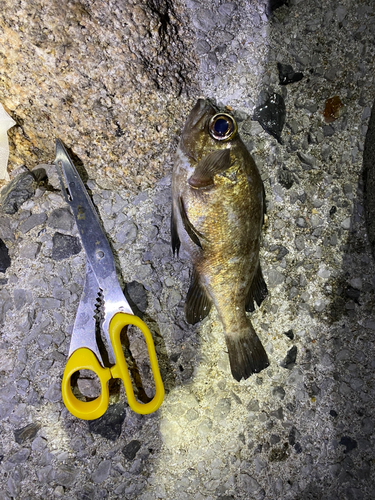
{"points": [[101, 280]]}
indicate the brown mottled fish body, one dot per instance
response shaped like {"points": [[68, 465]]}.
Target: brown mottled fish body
{"points": [[217, 216]]}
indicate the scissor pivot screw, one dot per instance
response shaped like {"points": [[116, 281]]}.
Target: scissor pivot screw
{"points": [[99, 254]]}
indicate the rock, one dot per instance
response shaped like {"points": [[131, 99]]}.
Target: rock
{"points": [[110, 424], [20, 189], [26, 433], [328, 130], [20, 456], [62, 219], [290, 358], [275, 278], [4, 257], [136, 295], [285, 178], [332, 109], [289, 334], [31, 222], [204, 19], [6, 232], [222, 409], [127, 232], [349, 443], [287, 74], [271, 115], [30, 250], [65, 246], [131, 449], [307, 159], [53, 393], [65, 475], [102, 472]]}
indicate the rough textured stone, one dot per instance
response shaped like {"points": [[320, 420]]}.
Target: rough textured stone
{"points": [[110, 424], [20, 189], [65, 246]]}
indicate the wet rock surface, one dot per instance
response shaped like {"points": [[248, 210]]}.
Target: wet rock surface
{"points": [[113, 82]]}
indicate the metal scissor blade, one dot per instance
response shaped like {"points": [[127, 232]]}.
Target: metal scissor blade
{"points": [[85, 323], [94, 240]]}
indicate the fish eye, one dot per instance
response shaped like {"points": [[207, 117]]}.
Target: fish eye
{"points": [[222, 127]]}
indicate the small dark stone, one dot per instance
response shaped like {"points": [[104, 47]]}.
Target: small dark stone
{"points": [[352, 293], [333, 210], [281, 253], [289, 334], [25, 433], [131, 449], [20, 189], [271, 115], [333, 413], [287, 74], [293, 434], [64, 246], [298, 448], [110, 424], [285, 178], [136, 295], [279, 454], [290, 358], [328, 130], [275, 4], [349, 443], [279, 414], [4, 257]]}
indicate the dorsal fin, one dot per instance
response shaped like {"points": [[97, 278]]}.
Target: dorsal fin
{"points": [[212, 164]]}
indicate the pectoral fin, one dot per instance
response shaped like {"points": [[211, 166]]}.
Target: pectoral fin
{"points": [[198, 303], [258, 291], [212, 164], [189, 228]]}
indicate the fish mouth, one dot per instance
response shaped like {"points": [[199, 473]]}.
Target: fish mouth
{"points": [[201, 108], [196, 123]]}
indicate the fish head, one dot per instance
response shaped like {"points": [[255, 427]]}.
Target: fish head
{"points": [[207, 129]]}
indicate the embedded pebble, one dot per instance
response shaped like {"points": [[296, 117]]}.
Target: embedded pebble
{"points": [[110, 424], [102, 472], [64, 246], [26, 433], [20, 189], [31, 222], [4, 257], [61, 218]]}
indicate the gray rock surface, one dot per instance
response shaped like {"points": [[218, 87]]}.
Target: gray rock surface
{"points": [[115, 81]]}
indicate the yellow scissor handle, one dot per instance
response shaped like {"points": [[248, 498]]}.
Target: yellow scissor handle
{"points": [[85, 359]]}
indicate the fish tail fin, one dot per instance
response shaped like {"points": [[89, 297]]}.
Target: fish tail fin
{"points": [[246, 353]]}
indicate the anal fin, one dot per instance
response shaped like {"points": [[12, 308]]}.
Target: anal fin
{"points": [[198, 303], [258, 291]]}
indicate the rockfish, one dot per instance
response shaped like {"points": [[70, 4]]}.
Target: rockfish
{"points": [[217, 215]]}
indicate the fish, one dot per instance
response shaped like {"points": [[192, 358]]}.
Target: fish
{"points": [[218, 210]]}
